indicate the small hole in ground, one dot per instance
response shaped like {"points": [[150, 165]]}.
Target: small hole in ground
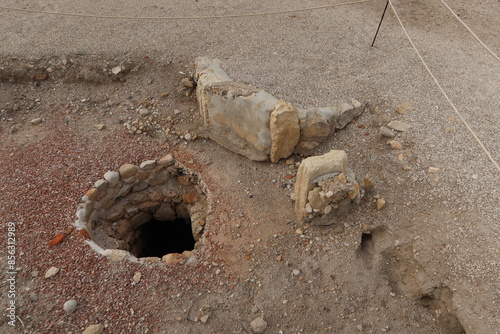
{"points": [[157, 238], [366, 244]]}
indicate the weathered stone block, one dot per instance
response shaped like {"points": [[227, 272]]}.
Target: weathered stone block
{"points": [[239, 117], [285, 131], [208, 72], [312, 168]]}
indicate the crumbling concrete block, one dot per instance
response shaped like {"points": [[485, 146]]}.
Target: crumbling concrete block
{"points": [[325, 189]]}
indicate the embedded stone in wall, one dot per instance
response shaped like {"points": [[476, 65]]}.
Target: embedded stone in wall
{"points": [[285, 131], [318, 124], [208, 72], [325, 189], [239, 118]]}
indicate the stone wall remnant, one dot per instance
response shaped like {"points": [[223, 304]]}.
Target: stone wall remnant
{"points": [[325, 189], [255, 124]]}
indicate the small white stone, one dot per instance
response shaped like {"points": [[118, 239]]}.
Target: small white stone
{"points": [[309, 208], [51, 272], [177, 111], [70, 306], [36, 121], [295, 272], [204, 319], [115, 70], [328, 209], [188, 137], [434, 170], [144, 112], [137, 277]]}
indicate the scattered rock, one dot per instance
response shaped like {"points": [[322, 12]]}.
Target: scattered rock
{"points": [[36, 121], [188, 136], [100, 126], [204, 319], [403, 108], [299, 231], [395, 145], [398, 126], [434, 170], [144, 112], [295, 272], [338, 228], [14, 129], [51, 272], [258, 325], [368, 184], [386, 132], [94, 329], [177, 111], [381, 203], [70, 306], [360, 327], [115, 70], [186, 82], [137, 277]]}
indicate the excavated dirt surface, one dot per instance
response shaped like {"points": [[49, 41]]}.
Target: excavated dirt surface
{"points": [[426, 263]]}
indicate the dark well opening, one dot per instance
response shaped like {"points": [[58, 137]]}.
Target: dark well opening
{"points": [[158, 238]]}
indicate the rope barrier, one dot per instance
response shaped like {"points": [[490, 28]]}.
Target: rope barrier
{"points": [[442, 90], [182, 17], [470, 30]]}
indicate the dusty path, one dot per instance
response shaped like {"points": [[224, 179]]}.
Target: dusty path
{"points": [[431, 262]]}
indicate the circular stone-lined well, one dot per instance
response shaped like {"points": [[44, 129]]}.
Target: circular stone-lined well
{"points": [[150, 210]]}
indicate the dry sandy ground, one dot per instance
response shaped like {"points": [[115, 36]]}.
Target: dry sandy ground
{"points": [[431, 261]]}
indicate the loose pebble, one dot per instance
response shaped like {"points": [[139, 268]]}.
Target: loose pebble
{"points": [[434, 170], [258, 325], [381, 203], [70, 306], [386, 132], [395, 145], [398, 126], [144, 112], [36, 121], [94, 329], [51, 272], [137, 277]]}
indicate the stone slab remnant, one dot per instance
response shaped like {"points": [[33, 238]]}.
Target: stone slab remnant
{"points": [[285, 131], [325, 189], [253, 123], [239, 119]]}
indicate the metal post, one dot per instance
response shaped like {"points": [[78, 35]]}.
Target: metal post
{"points": [[383, 14]]}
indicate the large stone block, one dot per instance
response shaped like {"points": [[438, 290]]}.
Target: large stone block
{"points": [[312, 168], [239, 117], [208, 72], [316, 126], [285, 131]]}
